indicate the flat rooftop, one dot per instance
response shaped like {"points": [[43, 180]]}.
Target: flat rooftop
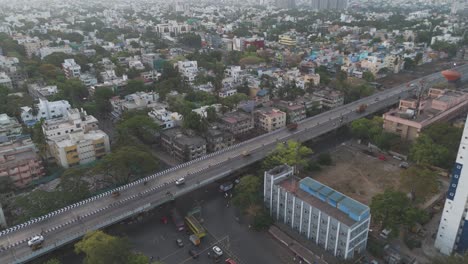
{"points": [[327, 200]]}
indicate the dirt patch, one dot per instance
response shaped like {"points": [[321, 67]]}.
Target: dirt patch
{"points": [[357, 174]]}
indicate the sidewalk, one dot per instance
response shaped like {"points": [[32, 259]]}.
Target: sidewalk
{"points": [[296, 247]]}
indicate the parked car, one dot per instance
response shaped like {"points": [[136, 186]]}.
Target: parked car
{"points": [[194, 253], [180, 181], [404, 165], [179, 242], [230, 261], [217, 250]]}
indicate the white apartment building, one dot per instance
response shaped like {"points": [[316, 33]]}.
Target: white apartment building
{"points": [[45, 110], [71, 69], [188, 69], [46, 51], [202, 111], [5, 80], [75, 139], [330, 219], [164, 118], [452, 235], [233, 72], [135, 101], [9, 127]]}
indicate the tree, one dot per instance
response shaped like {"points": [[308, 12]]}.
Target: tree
{"points": [[324, 159], [6, 185], [247, 192], [366, 129], [452, 259], [126, 164], [134, 86], [74, 91], [232, 101], [341, 76], [49, 71], [409, 64], [191, 40], [101, 248], [368, 76], [138, 125], [38, 137], [426, 152], [211, 115], [101, 98], [291, 153], [195, 122], [420, 181], [393, 210], [53, 261]]}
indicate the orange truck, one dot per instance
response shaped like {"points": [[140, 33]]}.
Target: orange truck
{"points": [[362, 108]]}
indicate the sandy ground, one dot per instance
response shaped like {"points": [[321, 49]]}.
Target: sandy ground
{"points": [[357, 174]]}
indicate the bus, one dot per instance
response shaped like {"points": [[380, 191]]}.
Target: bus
{"points": [[177, 219], [196, 228]]}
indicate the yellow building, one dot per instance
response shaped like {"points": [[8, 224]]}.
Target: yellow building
{"points": [[287, 40]]}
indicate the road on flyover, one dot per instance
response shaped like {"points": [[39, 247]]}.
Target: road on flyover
{"points": [[98, 212]]}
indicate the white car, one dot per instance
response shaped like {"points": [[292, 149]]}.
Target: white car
{"points": [[35, 240], [217, 251], [180, 181]]}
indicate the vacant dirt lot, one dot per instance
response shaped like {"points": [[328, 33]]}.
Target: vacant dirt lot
{"points": [[357, 174]]}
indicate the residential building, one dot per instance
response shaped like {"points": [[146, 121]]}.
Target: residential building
{"points": [[188, 69], [88, 79], [165, 118], [294, 111], [269, 119], [20, 162], [44, 110], [237, 123], [173, 27], [46, 51], [287, 40], [216, 139], [184, 147], [329, 4], [329, 98], [9, 127], [5, 80], [328, 218], [71, 69], [202, 111], [226, 91], [410, 118], [286, 4], [37, 91], [75, 139], [452, 235], [136, 101]]}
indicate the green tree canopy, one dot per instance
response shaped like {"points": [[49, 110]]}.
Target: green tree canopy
{"points": [[247, 192], [453, 259], [74, 91], [393, 209], [195, 122], [420, 181], [126, 164], [101, 248], [232, 101], [138, 125], [368, 76], [291, 153], [437, 145]]}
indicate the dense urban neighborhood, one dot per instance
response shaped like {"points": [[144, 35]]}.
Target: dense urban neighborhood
{"points": [[271, 131]]}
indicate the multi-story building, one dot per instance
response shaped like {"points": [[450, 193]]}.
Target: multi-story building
{"points": [[184, 147], [75, 139], [410, 118], [329, 99], [330, 219], [19, 161], [172, 27], [46, 51], [9, 127], [452, 235], [71, 69], [44, 110], [329, 4], [286, 4], [165, 118], [237, 123], [295, 112], [216, 139], [5, 80], [269, 119], [38, 91], [136, 101], [188, 69], [287, 39]]}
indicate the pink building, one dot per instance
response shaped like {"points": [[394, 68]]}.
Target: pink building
{"points": [[19, 161], [408, 120]]}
